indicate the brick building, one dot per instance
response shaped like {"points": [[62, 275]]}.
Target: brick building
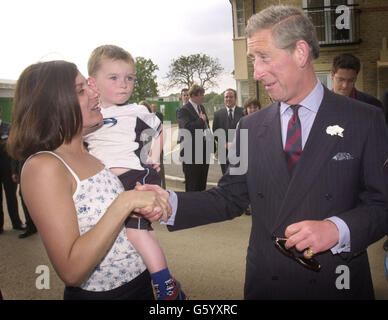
{"points": [[359, 27]]}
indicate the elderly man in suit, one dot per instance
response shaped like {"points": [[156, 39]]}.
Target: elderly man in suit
{"points": [[225, 121], [344, 73], [6, 181], [314, 176], [194, 134]]}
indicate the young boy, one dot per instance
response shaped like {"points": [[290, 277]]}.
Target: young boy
{"points": [[118, 143]]}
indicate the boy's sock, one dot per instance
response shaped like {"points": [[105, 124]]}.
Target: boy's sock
{"points": [[164, 284]]}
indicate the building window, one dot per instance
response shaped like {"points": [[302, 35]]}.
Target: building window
{"points": [[336, 21], [242, 92], [238, 19], [325, 78]]}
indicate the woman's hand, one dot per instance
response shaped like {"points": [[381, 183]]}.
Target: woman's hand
{"points": [[163, 196]]}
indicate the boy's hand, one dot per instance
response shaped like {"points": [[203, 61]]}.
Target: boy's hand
{"points": [[154, 164]]}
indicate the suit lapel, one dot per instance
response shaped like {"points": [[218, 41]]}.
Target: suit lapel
{"points": [[316, 153], [273, 160], [190, 108]]}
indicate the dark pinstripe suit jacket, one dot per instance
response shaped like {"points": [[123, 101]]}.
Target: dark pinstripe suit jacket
{"points": [[189, 119], [354, 190]]}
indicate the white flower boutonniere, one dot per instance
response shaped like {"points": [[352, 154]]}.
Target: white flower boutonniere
{"points": [[335, 131]]}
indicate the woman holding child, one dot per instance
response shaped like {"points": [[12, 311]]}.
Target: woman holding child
{"points": [[77, 204]]}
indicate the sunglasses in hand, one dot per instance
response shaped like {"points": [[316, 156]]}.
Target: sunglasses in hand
{"points": [[311, 264]]}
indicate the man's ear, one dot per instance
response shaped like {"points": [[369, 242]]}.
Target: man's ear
{"points": [[302, 53], [92, 83], [332, 75]]}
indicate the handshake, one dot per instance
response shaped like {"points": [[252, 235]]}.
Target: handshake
{"points": [[152, 202]]}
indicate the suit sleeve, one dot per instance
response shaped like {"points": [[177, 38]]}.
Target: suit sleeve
{"points": [[368, 221], [224, 202]]}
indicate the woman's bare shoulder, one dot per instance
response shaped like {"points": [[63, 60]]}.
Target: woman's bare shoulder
{"points": [[43, 165]]}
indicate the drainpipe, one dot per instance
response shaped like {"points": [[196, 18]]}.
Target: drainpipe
{"points": [[257, 82]]}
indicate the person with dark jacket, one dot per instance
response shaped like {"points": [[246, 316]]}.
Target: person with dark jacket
{"points": [[344, 73], [311, 168], [225, 120], [6, 181], [16, 169]]}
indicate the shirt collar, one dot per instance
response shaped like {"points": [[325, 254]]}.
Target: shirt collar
{"points": [[227, 108], [311, 102], [193, 104]]}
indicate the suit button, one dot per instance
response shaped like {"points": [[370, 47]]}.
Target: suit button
{"points": [[260, 195], [328, 196]]}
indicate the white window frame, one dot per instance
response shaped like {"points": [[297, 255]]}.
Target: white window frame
{"points": [[236, 24], [328, 32], [242, 87], [325, 78]]}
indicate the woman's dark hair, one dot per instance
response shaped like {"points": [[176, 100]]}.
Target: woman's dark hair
{"points": [[45, 111], [249, 102]]}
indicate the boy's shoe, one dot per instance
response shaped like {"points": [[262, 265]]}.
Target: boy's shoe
{"points": [[178, 294]]}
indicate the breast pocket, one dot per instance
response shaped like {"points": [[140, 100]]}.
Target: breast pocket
{"points": [[343, 174]]}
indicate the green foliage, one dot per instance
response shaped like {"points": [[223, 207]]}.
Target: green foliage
{"points": [[213, 98], [196, 68], [145, 83], [213, 101]]}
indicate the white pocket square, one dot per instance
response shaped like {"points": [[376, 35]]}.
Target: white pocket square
{"points": [[343, 156]]}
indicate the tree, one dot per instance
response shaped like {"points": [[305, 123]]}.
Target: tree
{"points": [[196, 68], [145, 81]]}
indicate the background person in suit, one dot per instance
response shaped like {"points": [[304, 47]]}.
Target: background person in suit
{"points": [[7, 182], [185, 98], [326, 204], [344, 73], [192, 117], [226, 119], [16, 168]]}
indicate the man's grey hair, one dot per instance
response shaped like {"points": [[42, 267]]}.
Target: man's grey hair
{"points": [[289, 24]]}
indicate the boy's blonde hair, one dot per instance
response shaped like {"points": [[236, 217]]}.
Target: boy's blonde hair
{"points": [[107, 52]]}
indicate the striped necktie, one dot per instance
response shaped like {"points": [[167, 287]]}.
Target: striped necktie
{"points": [[293, 147], [230, 116]]}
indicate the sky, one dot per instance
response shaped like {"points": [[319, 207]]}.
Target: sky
{"points": [[42, 30]]}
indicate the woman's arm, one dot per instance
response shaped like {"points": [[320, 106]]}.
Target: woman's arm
{"points": [[47, 188]]}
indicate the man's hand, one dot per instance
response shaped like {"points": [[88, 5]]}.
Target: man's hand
{"points": [[318, 236], [151, 215], [203, 116]]}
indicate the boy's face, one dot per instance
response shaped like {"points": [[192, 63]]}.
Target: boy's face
{"points": [[114, 82]]}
